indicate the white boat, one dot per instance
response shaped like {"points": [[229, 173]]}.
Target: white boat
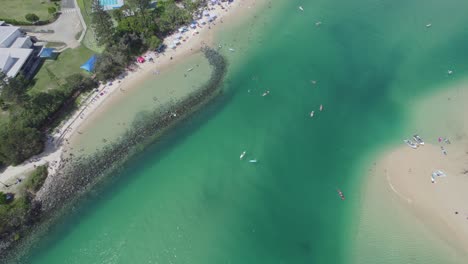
{"points": [[300, 8], [429, 25], [410, 143], [418, 140], [312, 114], [242, 155], [253, 161], [189, 70], [321, 107]]}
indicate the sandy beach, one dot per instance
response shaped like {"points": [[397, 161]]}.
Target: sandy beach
{"points": [[110, 93], [404, 175]]}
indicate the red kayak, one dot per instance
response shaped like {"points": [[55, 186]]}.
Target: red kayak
{"points": [[340, 193]]}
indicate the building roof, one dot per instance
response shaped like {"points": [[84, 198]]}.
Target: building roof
{"points": [[6, 32], [22, 42], [18, 54]]}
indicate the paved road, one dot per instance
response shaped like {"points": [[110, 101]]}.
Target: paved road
{"points": [[68, 4], [65, 28]]}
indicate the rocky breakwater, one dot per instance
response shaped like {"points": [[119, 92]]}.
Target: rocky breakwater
{"points": [[76, 176]]}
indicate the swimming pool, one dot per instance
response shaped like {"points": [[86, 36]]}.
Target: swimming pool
{"points": [[110, 4]]}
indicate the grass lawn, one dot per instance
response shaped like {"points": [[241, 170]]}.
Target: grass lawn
{"points": [[3, 117], [17, 9], [53, 73], [89, 39]]}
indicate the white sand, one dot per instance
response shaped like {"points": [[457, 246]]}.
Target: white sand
{"points": [[442, 206], [193, 41]]}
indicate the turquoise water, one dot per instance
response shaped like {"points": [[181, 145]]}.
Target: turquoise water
{"points": [[189, 199], [108, 2]]}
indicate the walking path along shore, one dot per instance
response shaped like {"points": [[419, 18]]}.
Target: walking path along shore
{"points": [[190, 42]]}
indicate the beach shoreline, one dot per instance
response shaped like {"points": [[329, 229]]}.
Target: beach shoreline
{"points": [[110, 93], [402, 177], [63, 182]]}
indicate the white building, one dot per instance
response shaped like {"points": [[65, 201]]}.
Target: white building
{"points": [[15, 49]]}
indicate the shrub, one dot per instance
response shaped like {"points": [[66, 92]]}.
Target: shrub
{"points": [[15, 22], [3, 199], [52, 10], [31, 17], [37, 178]]}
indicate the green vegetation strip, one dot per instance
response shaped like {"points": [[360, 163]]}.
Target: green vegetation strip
{"points": [[80, 175], [19, 212]]}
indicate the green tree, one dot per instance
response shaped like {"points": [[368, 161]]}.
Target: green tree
{"points": [[192, 5], [102, 24], [31, 17], [117, 14], [3, 199], [153, 42], [52, 10], [140, 7], [14, 90], [18, 143], [170, 16]]}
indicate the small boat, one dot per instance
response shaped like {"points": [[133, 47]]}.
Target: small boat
{"points": [[321, 107], [449, 72], [418, 140], [231, 50], [429, 25], [266, 93], [253, 161], [300, 8], [312, 114], [410, 143], [340, 193], [189, 70], [433, 177], [242, 155]]}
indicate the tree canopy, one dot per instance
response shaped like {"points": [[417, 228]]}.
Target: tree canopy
{"points": [[17, 143], [102, 24], [32, 17]]}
